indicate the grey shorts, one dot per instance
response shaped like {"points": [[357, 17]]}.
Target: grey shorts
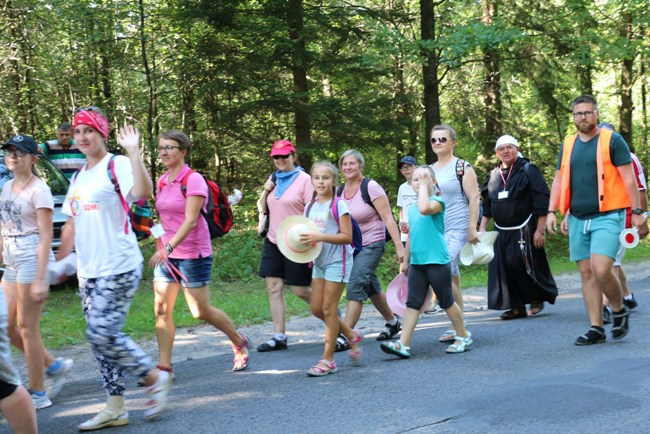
{"points": [[455, 242], [363, 281], [20, 255], [8, 373]]}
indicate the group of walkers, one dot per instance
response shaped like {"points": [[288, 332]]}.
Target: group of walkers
{"points": [[439, 213]]}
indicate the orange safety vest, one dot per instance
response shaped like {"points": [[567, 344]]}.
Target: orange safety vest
{"points": [[610, 183]]}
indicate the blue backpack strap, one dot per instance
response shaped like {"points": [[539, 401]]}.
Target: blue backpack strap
{"points": [[113, 177]]}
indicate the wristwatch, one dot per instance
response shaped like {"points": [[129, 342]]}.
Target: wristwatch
{"points": [[637, 211]]}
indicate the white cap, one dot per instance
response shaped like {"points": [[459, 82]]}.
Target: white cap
{"points": [[506, 140]]}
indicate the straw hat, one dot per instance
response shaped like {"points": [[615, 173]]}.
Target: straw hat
{"points": [[479, 253], [397, 293], [289, 239]]}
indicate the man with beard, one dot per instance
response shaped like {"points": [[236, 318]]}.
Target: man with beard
{"points": [[593, 173], [63, 151]]}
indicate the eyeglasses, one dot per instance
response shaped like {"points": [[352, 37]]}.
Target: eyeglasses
{"points": [[439, 140], [281, 157], [167, 148], [578, 115], [15, 152]]}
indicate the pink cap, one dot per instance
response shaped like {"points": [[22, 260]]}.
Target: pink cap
{"points": [[282, 147]]}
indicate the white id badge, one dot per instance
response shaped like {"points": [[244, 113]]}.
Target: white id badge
{"points": [[157, 231], [502, 195]]}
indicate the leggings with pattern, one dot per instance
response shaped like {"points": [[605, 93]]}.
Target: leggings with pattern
{"points": [[105, 302]]}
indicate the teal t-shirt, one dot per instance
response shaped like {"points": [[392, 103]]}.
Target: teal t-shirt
{"points": [[584, 172], [427, 233]]}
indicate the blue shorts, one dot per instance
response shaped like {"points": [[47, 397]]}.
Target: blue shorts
{"points": [[597, 235], [333, 272], [196, 272], [363, 281]]}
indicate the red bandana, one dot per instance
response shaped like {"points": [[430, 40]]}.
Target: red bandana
{"points": [[93, 119]]}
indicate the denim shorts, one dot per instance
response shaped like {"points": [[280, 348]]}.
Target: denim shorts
{"points": [[20, 255], [196, 272], [333, 272], [456, 240], [363, 281], [597, 235], [274, 264]]}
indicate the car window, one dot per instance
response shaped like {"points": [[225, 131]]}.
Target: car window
{"points": [[45, 170]]}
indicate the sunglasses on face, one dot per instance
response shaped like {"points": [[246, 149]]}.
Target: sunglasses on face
{"points": [[439, 140], [167, 148], [281, 157], [15, 152]]}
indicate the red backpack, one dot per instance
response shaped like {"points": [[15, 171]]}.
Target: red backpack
{"points": [[218, 213]]}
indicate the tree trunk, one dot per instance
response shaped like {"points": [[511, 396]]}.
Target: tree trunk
{"points": [[491, 85], [626, 107], [295, 21], [148, 139], [429, 76]]}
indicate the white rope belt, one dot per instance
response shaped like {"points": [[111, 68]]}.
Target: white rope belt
{"points": [[514, 228]]}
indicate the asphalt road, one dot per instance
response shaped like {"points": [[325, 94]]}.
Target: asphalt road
{"points": [[521, 376]]}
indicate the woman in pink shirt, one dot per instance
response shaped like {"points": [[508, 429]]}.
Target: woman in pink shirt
{"points": [[185, 261], [287, 196], [373, 218]]}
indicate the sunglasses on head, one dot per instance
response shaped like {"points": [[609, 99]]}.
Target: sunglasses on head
{"points": [[281, 157], [439, 139], [91, 108]]}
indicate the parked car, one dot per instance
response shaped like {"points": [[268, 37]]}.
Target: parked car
{"points": [[58, 184]]}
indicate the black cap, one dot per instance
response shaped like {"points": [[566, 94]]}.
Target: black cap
{"points": [[22, 142], [407, 160]]}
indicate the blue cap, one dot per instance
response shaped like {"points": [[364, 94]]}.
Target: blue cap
{"points": [[407, 160]]}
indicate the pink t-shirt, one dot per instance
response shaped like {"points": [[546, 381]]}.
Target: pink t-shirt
{"points": [[371, 225], [170, 204], [18, 211], [292, 202]]}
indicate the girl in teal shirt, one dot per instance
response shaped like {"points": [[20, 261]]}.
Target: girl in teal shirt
{"points": [[428, 266]]}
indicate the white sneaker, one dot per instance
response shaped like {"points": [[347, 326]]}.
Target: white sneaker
{"points": [[106, 418], [57, 379], [40, 401], [157, 396]]}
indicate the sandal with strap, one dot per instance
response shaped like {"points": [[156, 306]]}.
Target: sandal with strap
{"points": [[536, 307], [241, 359], [396, 348], [322, 368], [461, 345], [621, 324], [355, 350], [519, 312], [448, 336], [595, 335], [158, 393], [170, 371]]}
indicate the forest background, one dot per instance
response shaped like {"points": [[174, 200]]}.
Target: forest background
{"points": [[373, 75]]}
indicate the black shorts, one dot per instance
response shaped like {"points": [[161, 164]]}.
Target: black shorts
{"points": [[274, 264], [6, 389]]}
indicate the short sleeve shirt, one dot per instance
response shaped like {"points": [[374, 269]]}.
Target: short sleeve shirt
{"points": [[104, 241], [321, 214], [584, 172], [292, 202], [18, 210], [427, 232], [456, 205], [171, 203], [371, 225]]}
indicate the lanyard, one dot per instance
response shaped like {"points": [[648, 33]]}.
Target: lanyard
{"points": [[505, 180]]}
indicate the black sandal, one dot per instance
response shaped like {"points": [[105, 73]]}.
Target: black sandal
{"points": [[342, 343], [536, 307], [595, 335], [514, 313]]}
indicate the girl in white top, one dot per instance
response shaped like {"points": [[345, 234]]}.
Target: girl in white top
{"points": [[26, 207], [332, 267]]}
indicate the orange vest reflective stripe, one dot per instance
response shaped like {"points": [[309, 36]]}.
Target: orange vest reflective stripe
{"points": [[610, 183]]}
